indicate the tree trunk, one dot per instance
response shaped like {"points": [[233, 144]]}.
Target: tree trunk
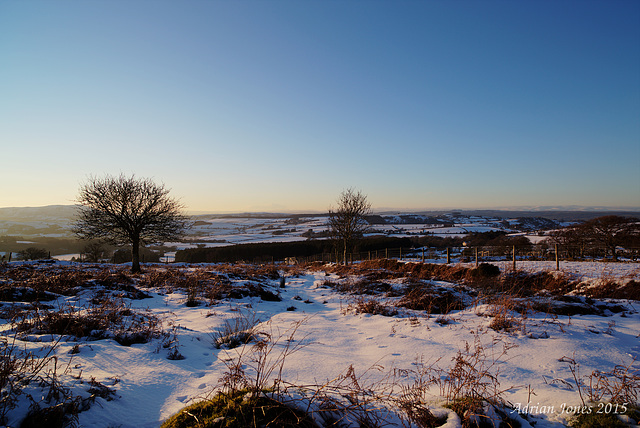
{"points": [[135, 256], [345, 253]]}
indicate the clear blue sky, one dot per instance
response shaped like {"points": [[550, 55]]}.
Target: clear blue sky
{"points": [[280, 105]]}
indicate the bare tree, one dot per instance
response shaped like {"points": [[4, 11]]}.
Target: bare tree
{"points": [[347, 223], [128, 210]]}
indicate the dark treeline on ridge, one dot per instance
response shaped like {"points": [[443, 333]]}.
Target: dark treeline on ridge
{"points": [[266, 252]]}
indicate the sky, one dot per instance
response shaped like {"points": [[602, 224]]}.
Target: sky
{"points": [[281, 105]]}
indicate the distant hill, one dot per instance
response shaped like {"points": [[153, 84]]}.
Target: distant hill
{"points": [[52, 220], [46, 213], [56, 220], [560, 215]]}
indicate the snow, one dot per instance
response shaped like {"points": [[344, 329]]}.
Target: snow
{"points": [[582, 271], [150, 387]]}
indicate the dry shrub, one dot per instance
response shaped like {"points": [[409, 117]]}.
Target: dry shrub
{"points": [[525, 284], [165, 277], [9, 293], [362, 305], [386, 264], [183, 279], [619, 385], [474, 373], [17, 369], [202, 283], [43, 283], [613, 290], [429, 298], [381, 269], [471, 385], [250, 271], [358, 286], [609, 394], [502, 311], [22, 369], [57, 416], [509, 314], [50, 278], [102, 318], [238, 409], [236, 331], [368, 285], [487, 277]]}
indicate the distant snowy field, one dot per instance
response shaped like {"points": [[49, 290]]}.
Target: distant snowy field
{"points": [[150, 388], [581, 271]]}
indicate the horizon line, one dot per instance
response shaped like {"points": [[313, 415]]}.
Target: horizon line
{"points": [[400, 210]]}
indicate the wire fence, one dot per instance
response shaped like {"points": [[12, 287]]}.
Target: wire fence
{"points": [[476, 254]]}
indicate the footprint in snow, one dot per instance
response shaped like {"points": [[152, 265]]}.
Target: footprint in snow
{"points": [[202, 386], [182, 398], [201, 374]]}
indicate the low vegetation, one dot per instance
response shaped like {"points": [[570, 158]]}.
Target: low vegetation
{"points": [[252, 392], [239, 409]]}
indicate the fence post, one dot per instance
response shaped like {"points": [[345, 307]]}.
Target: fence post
{"points": [[422, 254], [476, 257], [514, 257], [10, 254], [386, 253], [557, 259], [400, 253], [448, 256]]}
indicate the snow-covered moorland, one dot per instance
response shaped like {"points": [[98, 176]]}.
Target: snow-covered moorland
{"points": [[388, 343]]}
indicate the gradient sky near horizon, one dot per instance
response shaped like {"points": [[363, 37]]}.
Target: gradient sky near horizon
{"points": [[281, 105]]}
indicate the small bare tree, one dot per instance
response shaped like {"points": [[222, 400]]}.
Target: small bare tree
{"points": [[347, 222], [128, 210]]}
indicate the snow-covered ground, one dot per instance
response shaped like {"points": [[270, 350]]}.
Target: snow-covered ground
{"points": [[237, 230], [580, 271], [535, 368]]}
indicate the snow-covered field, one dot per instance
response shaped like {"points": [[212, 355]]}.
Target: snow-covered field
{"points": [[532, 364]]}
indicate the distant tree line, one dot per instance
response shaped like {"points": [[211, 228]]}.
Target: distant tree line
{"points": [[582, 239], [53, 245], [607, 232], [266, 252]]}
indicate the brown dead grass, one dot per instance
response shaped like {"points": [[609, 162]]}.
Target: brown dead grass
{"points": [[613, 290], [485, 277]]}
